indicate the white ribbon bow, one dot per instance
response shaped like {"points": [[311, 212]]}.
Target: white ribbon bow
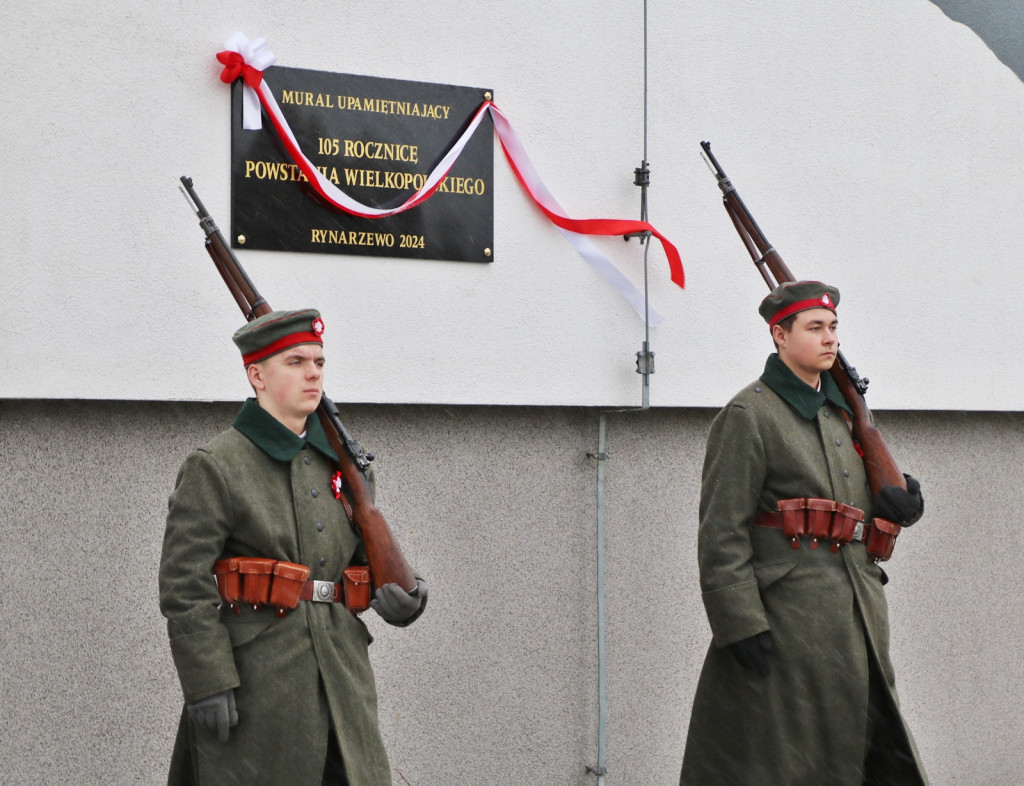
{"points": [[259, 57]]}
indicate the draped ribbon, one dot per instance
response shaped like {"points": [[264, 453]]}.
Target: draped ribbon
{"points": [[528, 178], [248, 59]]}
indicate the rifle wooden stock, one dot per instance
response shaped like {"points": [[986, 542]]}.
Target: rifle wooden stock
{"points": [[386, 561], [881, 467], [384, 555]]}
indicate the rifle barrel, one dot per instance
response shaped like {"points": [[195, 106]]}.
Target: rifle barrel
{"points": [[881, 466], [387, 564]]}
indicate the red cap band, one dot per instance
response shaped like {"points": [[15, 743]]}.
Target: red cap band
{"points": [[802, 305], [304, 337]]}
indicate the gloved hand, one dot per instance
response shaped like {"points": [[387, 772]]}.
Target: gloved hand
{"points": [[899, 506], [750, 652], [396, 605], [215, 713]]}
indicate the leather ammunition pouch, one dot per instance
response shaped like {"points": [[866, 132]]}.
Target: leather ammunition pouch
{"points": [[882, 539], [828, 520], [257, 575], [355, 581], [229, 581], [259, 581], [287, 586]]}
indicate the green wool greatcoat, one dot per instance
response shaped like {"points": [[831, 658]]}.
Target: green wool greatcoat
{"points": [[258, 490], [806, 724]]}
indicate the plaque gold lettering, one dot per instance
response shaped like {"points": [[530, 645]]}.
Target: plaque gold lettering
{"points": [[304, 98], [387, 106], [382, 151], [339, 237], [463, 185], [412, 241], [328, 147], [278, 170], [405, 181], [272, 170], [384, 106]]}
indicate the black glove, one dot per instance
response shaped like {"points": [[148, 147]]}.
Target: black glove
{"points": [[751, 652], [215, 713], [899, 506], [395, 605]]}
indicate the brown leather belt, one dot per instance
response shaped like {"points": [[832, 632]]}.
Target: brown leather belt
{"points": [[816, 518], [773, 519], [826, 519], [260, 581], [322, 592], [354, 590]]}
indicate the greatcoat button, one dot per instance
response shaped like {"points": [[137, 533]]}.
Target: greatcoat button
{"points": [[315, 493], [319, 527]]}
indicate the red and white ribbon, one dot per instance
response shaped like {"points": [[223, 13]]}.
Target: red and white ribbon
{"points": [[575, 230], [248, 59]]}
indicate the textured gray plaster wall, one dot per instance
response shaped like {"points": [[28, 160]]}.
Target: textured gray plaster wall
{"points": [[497, 683]]}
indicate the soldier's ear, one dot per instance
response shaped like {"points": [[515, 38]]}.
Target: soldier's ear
{"points": [[255, 373]]}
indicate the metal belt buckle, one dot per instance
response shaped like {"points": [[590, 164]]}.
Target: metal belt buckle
{"points": [[858, 532], [323, 591]]}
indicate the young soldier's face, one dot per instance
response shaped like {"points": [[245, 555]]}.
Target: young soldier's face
{"points": [[810, 346], [290, 383]]}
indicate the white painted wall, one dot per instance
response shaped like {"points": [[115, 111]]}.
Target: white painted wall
{"points": [[876, 141]]}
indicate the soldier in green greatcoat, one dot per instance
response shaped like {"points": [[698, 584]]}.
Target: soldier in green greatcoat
{"points": [[272, 697], [797, 687]]}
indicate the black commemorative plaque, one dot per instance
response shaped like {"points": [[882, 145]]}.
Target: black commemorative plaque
{"points": [[376, 140]]}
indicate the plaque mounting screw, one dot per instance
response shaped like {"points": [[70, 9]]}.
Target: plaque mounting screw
{"points": [[241, 240], [487, 95], [487, 253]]}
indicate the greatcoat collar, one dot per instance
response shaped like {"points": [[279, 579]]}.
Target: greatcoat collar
{"points": [[277, 440], [797, 393]]}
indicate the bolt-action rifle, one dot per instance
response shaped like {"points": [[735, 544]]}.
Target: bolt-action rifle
{"points": [[387, 564], [878, 461]]}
